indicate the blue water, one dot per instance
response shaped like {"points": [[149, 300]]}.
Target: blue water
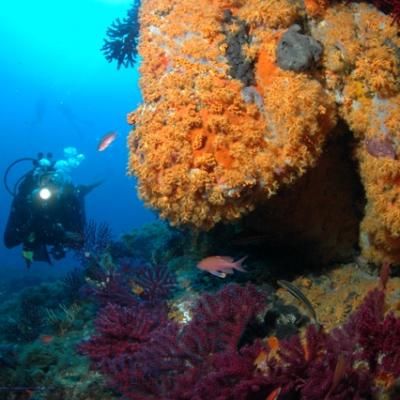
{"points": [[57, 90]]}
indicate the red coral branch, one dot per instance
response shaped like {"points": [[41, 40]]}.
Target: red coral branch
{"points": [[147, 358]]}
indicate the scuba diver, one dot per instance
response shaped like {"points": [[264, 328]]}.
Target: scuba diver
{"points": [[47, 209]]}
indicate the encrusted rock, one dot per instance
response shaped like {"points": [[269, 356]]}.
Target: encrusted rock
{"points": [[297, 52]]}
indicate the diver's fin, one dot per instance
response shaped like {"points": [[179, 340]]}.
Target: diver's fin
{"points": [[86, 189], [37, 253], [28, 257]]}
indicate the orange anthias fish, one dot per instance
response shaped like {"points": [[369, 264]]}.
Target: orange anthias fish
{"points": [[221, 266], [106, 140]]}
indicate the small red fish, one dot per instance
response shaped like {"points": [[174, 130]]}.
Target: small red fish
{"points": [[46, 339], [274, 394], [221, 266], [273, 343], [106, 141]]}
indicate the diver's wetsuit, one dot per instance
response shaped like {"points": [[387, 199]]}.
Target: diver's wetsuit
{"points": [[58, 221]]}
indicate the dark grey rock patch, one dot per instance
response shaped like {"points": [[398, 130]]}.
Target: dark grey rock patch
{"points": [[241, 67], [297, 52]]}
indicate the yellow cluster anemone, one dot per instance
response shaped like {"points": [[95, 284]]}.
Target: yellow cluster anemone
{"points": [[224, 124], [362, 65], [206, 147]]}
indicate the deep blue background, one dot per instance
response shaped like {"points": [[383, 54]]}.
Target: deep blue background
{"points": [[57, 90]]}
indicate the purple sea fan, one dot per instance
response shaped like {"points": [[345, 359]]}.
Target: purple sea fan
{"points": [[215, 365], [227, 375], [297, 361], [221, 318], [365, 327], [317, 367], [121, 332], [110, 287], [377, 336], [152, 372], [391, 345], [349, 362], [73, 283], [96, 239], [155, 282], [201, 360]]}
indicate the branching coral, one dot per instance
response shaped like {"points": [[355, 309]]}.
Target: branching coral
{"points": [[125, 285], [377, 336], [305, 367], [73, 283], [96, 240], [153, 283], [110, 287], [363, 353], [121, 331], [147, 357], [122, 38], [200, 360], [210, 343]]}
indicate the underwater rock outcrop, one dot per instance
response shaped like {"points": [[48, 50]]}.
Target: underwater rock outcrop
{"points": [[239, 103], [364, 75]]}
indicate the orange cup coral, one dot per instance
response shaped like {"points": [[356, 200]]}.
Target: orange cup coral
{"points": [[207, 146], [225, 123]]}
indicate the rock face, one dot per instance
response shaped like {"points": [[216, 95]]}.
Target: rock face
{"points": [[239, 103], [316, 219], [297, 52]]}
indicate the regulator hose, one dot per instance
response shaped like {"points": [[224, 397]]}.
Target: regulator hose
{"points": [[7, 171]]}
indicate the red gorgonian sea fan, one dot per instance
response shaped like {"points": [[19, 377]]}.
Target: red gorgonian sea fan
{"points": [[120, 331], [369, 344], [200, 360], [156, 281], [204, 359]]}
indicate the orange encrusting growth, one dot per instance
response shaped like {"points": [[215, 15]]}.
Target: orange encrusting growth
{"points": [[207, 147], [315, 8], [266, 70], [202, 152], [362, 51]]}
